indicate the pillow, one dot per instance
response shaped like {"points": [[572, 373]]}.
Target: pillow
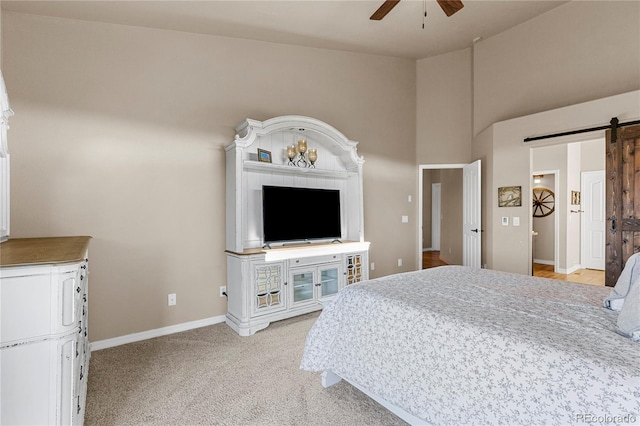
{"points": [[629, 275], [629, 317]]}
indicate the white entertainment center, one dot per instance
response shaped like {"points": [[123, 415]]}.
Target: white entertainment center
{"points": [[271, 282]]}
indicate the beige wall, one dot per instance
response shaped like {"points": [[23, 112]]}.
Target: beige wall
{"points": [[119, 134], [0, 34], [577, 52], [560, 58], [510, 246], [443, 116], [592, 155]]}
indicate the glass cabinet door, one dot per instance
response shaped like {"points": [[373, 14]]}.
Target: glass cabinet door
{"points": [[302, 286], [329, 281]]}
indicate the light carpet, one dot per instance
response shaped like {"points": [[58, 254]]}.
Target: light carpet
{"points": [[212, 376]]}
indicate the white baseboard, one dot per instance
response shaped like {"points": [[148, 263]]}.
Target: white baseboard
{"points": [[558, 270], [569, 270], [150, 334]]}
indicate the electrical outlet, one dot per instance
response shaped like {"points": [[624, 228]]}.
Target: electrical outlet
{"points": [[171, 299], [373, 266], [223, 290], [399, 262]]}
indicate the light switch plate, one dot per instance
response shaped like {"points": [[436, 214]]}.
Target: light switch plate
{"points": [[505, 221], [516, 221]]}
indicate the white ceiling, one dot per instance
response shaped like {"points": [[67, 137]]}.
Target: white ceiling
{"points": [[331, 24]]}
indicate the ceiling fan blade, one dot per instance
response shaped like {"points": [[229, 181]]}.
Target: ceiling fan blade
{"points": [[450, 6], [384, 9]]}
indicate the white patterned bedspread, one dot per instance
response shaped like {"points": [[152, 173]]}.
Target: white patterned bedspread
{"points": [[455, 345]]}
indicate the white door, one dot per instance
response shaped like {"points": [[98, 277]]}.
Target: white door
{"points": [[435, 216], [593, 219], [471, 215]]}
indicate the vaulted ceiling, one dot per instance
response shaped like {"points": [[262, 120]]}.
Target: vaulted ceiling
{"points": [[332, 24]]}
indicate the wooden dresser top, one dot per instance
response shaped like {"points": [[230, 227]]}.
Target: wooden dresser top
{"points": [[43, 251]]}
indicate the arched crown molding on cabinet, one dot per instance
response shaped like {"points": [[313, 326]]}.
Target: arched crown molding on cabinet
{"points": [[306, 127], [338, 167]]}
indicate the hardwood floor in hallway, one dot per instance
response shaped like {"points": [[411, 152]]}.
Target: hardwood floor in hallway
{"points": [[431, 259], [583, 276]]}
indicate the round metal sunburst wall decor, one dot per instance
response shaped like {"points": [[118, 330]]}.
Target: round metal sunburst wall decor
{"points": [[544, 202]]}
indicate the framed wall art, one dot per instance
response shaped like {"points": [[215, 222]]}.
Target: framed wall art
{"points": [[575, 198], [510, 196]]}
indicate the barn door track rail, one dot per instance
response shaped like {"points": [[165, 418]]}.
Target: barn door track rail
{"points": [[614, 125]]}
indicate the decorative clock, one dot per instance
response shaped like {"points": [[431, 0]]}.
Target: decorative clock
{"points": [[544, 202]]}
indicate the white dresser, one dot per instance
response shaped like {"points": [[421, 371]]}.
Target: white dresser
{"points": [[44, 348]]}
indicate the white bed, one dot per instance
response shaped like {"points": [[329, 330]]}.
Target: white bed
{"points": [[455, 345]]}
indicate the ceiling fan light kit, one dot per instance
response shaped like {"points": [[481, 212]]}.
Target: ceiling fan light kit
{"points": [[448, 6]]}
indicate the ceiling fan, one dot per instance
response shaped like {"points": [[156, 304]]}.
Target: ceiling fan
{"points": [[448, 6]]}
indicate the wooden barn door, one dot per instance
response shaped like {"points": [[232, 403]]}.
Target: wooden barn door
{"points": [[623, 200]]}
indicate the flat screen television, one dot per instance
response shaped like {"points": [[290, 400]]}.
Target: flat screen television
{"points": [[300, 214]]}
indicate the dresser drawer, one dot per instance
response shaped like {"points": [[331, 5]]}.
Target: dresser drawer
{"points": [[38, 382], [41, 304]]}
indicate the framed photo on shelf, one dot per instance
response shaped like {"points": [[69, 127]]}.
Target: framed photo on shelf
{"points": [[510, 196], [264, 156]]}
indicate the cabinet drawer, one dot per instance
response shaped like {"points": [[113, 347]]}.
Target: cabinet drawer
{"points": [[41, 305], [38, 382], [314, 260]]}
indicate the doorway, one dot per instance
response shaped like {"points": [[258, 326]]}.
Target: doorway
{"points": [[570, 165], [545, 221], [457, 224], [440, 239]]}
